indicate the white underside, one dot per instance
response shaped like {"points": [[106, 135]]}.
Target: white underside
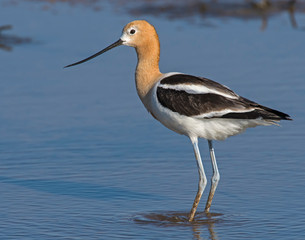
{"points": [[211, 129]]}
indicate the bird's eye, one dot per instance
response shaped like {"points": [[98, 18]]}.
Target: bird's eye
{"points": [[132, 31]]}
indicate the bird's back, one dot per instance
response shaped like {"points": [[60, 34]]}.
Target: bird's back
{"points": [[198, 106]]}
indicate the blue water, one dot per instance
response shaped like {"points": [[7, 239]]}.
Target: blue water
{"points": [[80, 157]]}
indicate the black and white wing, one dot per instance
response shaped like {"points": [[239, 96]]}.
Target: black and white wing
{"points": [[203, 98]]}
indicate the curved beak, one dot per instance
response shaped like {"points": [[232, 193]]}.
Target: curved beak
{"points": [[116, 44]]}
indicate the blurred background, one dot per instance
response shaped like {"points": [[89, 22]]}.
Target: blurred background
{"points": [[80, 157]]}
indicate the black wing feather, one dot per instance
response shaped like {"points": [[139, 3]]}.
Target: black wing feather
{"points": [[196, 104]]}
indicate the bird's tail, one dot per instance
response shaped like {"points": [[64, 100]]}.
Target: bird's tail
{"points": [[273, 114], [266, 113]]}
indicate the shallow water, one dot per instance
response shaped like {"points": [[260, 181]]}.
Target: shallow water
{"points": [[82, 159]]}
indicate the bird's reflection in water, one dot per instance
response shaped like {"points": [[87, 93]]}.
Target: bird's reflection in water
{"points": [[203, 222], [8, 41]]}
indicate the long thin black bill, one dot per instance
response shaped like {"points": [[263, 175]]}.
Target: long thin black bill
{"points": [[117, 43]]}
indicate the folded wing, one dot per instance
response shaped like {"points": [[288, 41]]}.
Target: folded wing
{"points": [[203, 98]]}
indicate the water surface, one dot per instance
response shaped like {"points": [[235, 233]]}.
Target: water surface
{"points": [[80, 157]]}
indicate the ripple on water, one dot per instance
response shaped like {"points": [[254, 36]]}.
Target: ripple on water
{"points": [[178, 218], [204, 226]]}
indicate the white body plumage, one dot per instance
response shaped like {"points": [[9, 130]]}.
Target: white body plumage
{"points": [[202, 126]]}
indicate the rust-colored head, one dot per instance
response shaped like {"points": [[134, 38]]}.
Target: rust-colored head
{"points": [[138, 34]]}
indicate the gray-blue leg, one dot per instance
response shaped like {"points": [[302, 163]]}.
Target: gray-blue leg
{"points": [[215, 178], [202, 178]]}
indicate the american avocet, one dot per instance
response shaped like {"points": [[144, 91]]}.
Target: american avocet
{"points": [[193, 106]]}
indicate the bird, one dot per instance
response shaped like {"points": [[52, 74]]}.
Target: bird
{"points": [[196, 107]]}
